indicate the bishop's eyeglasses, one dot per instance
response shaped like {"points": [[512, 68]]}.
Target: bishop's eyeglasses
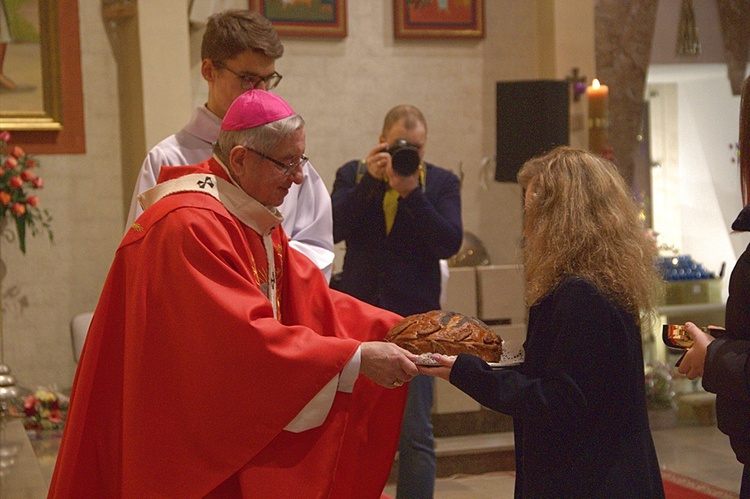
{"points": [[287, 168]]}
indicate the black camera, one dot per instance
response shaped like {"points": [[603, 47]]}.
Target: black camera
{"points": [[404, 157]]}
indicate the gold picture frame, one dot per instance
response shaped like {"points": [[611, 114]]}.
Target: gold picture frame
{"points": [[316, 18], [438, 19], [49, 117], [56, 126]]}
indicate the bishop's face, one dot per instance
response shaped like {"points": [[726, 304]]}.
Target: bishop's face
{"points": [[263, 179]]}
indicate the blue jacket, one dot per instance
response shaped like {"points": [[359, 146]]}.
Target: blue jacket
{"points": [[400, 271]]}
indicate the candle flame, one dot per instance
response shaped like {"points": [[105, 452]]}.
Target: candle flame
{"points": [[595, 84]]}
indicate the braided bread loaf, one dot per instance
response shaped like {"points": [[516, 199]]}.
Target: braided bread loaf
{"points": [[446, 333]]}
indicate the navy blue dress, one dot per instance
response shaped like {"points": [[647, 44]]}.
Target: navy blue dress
{"points": [[578, 401]]}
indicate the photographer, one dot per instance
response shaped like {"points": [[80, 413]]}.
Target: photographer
{"points": [[399, 216]]}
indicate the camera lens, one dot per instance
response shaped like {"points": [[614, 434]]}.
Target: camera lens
{"points": [[405, 158]]}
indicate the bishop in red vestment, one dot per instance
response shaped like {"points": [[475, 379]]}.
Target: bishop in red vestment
{"points": [[218, 362]]}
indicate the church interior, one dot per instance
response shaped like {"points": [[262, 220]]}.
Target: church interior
{"points": [[117, 76]]}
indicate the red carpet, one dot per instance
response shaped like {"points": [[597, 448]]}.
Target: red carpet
{"points": [[678, 486]]}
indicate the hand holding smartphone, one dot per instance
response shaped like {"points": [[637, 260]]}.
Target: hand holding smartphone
{"points": [[677, 336]]}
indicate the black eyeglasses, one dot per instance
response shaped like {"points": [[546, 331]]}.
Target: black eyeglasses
{"points": [[250, 81], [288, 169]]}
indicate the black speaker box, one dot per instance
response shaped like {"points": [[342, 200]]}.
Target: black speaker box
{"points": [[532, 119]]}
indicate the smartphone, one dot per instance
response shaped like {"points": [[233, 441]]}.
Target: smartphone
{"points": [[677, 336]]}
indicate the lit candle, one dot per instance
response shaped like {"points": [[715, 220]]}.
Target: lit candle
{"points": [[598, 96]]}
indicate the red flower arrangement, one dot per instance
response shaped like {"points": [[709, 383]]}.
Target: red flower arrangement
{"points": [[45, 410], [17, 176]]}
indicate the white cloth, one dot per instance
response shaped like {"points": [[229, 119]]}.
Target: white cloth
{"points": [[5, 36], [306, 209], [263, 220], [445, 274]]}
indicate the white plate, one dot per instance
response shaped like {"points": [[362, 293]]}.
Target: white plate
{"points": [[425, 359], [510, 356], [507, 359]]}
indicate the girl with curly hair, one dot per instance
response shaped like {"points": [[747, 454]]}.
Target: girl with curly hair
{"points": [[578, 401]]}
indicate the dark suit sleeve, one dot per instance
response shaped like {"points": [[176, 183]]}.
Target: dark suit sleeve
{"points": [[727, 368], [726, 374], [439, 219], [510, 392], [354, 199], [579, 363]]}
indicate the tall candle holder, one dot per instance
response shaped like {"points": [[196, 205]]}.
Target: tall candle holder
{"points": [[8, 388], [598, 98]]}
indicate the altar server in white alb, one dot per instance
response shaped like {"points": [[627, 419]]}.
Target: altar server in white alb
{"points": [[238, 53]]}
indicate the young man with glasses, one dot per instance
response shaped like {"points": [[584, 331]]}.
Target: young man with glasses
{"points": [[238, 53]]}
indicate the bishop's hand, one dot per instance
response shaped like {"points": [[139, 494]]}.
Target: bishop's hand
{"points": [[387, 364]]}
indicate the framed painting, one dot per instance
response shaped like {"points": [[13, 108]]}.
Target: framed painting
{"points": [[41, 97], [314, 18], [438, 18]]}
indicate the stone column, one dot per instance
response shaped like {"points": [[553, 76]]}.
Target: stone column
{"points": [[624, 32], [734, 16]]}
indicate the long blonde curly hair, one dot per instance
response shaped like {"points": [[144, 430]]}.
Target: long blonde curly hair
{"points": [[581, 220]]}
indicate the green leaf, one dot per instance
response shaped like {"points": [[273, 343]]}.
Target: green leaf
{"points": [[21, 228]]}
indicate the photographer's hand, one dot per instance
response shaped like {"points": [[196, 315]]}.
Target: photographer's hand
{"points": [[403, 185], [377, 161]]}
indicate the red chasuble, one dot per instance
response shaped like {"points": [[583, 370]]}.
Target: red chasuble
{"points": [[187, 379]]}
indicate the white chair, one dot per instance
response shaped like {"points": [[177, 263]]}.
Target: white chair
{"points": [[79, 326]]}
